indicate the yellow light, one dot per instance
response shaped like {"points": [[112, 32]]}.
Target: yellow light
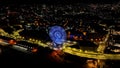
{"points": [[80, 50], [30, 39], [86, 51], [84, 33]]}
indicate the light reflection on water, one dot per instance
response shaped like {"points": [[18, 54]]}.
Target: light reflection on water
{"points": [[76, 62]]}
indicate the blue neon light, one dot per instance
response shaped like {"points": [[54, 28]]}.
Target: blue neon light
{"points": [[57, 34]]}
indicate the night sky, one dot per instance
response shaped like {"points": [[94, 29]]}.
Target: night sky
{"points": [[58, 1]]}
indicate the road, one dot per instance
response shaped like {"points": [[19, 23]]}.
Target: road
{"points": [[73, 51]]}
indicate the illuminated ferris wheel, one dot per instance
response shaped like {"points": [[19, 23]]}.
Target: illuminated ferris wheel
{"points": [[58, 36]]}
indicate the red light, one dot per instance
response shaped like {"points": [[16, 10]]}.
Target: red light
{"points": [[34, 50], [12, 42]]}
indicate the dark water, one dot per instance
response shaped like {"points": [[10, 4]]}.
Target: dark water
{"points": [[13, 58], [16, 58]]}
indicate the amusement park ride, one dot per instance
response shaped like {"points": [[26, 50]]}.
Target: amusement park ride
{"points": [[58, 36]]}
